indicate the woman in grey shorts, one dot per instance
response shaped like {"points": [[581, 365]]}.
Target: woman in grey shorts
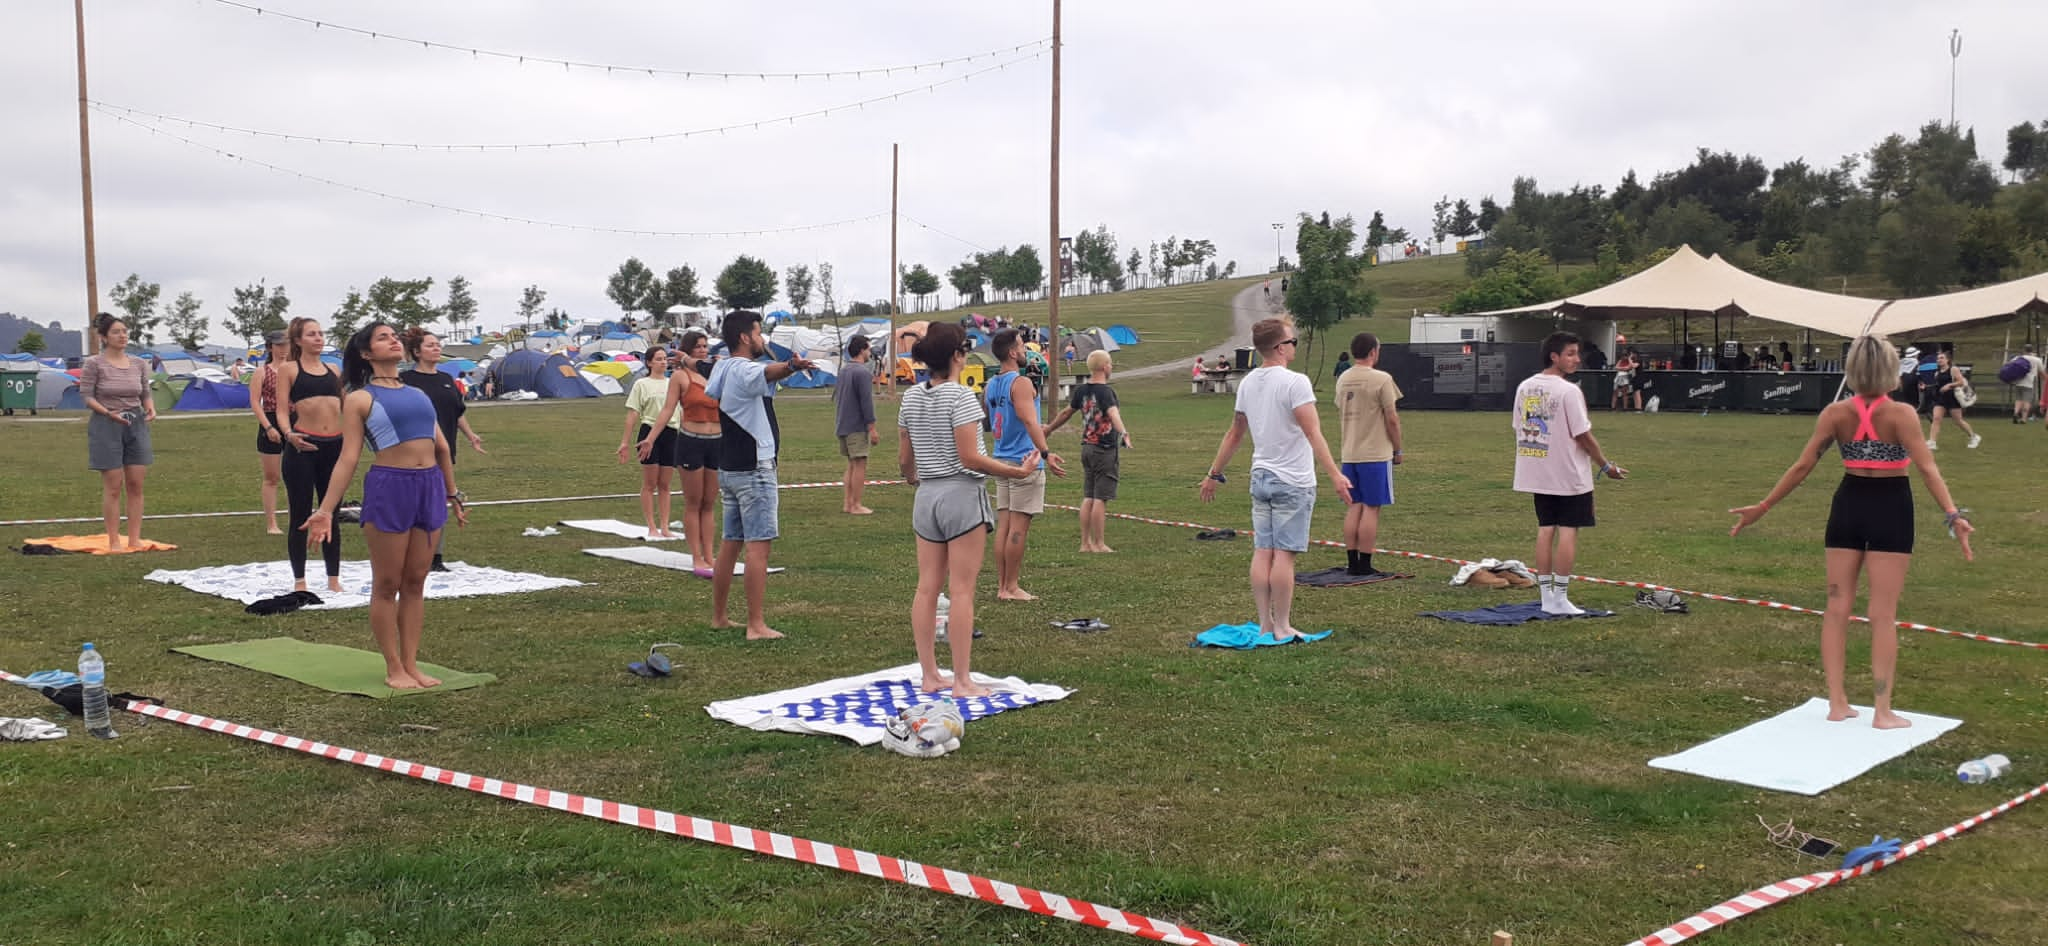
{"points": [[941, 453], [115, 387]]}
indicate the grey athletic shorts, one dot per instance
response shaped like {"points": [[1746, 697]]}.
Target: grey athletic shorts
{"points": [[949, 507], [110, 446]]}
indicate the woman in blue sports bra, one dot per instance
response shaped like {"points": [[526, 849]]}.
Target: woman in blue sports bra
{"points": [[406, 494], [1870, 525]]}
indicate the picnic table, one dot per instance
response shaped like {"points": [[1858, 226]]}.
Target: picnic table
{"points": [[1215, 381]]}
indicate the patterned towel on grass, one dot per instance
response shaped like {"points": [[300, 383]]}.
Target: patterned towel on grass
{"points": [[859, 707], [256, 581]]}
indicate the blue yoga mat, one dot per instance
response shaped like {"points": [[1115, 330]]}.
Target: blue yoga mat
{"points": [[1509, 614], [1247, 636]]}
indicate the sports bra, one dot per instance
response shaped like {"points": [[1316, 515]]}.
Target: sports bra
{"points": [[698, 406], [325, 384], [399, 415], [1866, 452]]}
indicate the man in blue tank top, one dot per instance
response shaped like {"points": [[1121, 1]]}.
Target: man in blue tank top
{"points": [[1012, 403]]}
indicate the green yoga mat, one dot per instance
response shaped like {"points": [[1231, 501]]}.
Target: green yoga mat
{"points": [[327, 666]]}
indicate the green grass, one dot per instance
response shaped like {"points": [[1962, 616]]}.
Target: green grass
{"points": [[1406, 781]]}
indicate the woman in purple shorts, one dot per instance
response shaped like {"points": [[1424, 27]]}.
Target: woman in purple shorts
{"points": [[406, 494]]}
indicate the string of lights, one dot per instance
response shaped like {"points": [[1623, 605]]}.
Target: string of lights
{"points": [[485, 214], [615, 69], [944, 233], [789, 119]]}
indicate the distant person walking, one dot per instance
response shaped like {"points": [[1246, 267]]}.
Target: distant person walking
{"points": [[2027, 390], [854, 413], [1950, 385], [1012, 404], [1370, 448], [310, 416], [1553, 445], [1870, 524], [424, 348], [749, 445], [1102, 433], [697, 445], [269, 439], [115, 387], [1277, 407], [940, 452]]}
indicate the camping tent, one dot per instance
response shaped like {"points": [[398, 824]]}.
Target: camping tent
{"points": [[546, 340], [618, 371], [174, 361], [543, 374], [51, 387], [615, 341], [603, 383], [1123, 334], [204, 395], [815, 377]]}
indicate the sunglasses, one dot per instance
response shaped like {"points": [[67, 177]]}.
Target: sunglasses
{"points": [[1291, 341]]}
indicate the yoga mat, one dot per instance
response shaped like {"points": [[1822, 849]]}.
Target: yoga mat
{"points": [[858, 707], [256, 581], [326, 666], [620, 528], [1341, 577], [1248, 636], [96, 545], [1503, 615], [663, 558], [1800, 751]]}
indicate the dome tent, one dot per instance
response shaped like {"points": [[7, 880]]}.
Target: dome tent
{"points": [[548, 375]]}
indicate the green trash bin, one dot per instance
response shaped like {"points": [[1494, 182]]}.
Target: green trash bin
{"points": [[17, 390]]}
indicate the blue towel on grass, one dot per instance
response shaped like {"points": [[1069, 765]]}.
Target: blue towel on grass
{"points": [[1508, 614], [1246, 637], [49, 678]]}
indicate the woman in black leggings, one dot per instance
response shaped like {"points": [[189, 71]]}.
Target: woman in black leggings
{"points": [[310, 415]]}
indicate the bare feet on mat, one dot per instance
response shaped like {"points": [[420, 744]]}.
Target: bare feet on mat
{"points": [[1838, 713], [970, 689], [333, 585], [1886, 719], [424, 680], [401, 681], [935, 682]]}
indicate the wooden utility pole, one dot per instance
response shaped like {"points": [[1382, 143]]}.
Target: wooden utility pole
{"points": [[1052, 243], [895, 300], [92, 278]]}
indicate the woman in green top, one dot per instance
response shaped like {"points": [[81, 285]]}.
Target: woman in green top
{"points": [[657, 469]]}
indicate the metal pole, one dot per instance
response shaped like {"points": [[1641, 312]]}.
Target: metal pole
{"points": [[895, 302], [1955, 51], [92, 277], [1279, 254], [1052, 243]]}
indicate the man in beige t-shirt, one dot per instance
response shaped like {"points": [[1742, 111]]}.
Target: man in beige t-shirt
{"points": [[1370, 430]]}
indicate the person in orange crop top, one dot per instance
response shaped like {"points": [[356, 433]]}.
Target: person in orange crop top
{"points": [[1870, 525], [696, 445]]}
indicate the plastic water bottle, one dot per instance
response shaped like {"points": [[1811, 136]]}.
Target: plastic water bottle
{"points": [[1978, 771], [92, 672], [945, 611]]}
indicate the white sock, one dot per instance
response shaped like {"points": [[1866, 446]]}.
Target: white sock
{"points": [[1563, 603], [1549, 593]]}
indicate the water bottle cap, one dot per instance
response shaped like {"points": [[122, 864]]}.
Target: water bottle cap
{"points": [[88, 645]]}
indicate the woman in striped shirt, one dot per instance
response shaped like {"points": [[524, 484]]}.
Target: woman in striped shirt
{"points": [[941, 453]]}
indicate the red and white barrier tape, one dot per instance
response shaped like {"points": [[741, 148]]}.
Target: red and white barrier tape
{"points": [[1648, 586], [1746, 904], [481, 502], [717, 832]]}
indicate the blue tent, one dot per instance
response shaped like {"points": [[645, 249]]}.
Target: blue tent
{"points": [[20, 356], [51, 387], [204, 395], [69, 400], [457, 366], [812, 378], [1123, 334], [543, 374]]}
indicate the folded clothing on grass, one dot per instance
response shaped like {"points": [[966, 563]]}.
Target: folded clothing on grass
{"points": [[328, 667], [1248, 636], [860, 707], [1508, 614]]}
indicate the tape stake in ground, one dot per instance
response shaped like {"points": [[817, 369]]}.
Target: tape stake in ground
{"points": [[1644, 585], [727, 835]]}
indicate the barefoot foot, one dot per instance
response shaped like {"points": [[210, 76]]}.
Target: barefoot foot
{"points": [[274, 530], [1886, 719], [935, 682], [401, 681], [762, 633], [1838, 713], [964, 691], [424, 680], [1016, 594]]}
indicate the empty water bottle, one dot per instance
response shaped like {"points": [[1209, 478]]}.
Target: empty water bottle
{"points": [[92, 673], [945, 610], [1977, 771]]}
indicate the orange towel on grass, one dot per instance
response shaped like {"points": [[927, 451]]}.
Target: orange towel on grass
{"points": [[97, 545]]}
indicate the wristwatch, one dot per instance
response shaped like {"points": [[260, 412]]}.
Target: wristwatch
{"points": [[1218, 477]]}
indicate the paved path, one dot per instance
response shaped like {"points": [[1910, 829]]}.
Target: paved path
{"points": [[1247, 307]]}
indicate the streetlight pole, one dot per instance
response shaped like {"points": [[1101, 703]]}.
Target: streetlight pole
{"points": [[1955, 52], [1279, 256]]}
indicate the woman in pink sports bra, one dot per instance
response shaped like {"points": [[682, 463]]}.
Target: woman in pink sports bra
{"points": [[1870, 524]]}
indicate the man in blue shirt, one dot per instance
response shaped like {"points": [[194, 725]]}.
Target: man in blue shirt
{"points": [[748, 443], [1012, 404]]}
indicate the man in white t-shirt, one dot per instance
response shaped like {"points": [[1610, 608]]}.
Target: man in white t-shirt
{"points": [[1278, 408], [1553, 447], [2027, 393]]}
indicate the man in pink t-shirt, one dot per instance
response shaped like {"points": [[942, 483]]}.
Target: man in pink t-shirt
{"points": [[1553, 446]]}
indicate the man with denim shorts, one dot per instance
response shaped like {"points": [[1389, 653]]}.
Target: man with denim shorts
{"points": [[1371, 447], [1553, 444], [748, 439], [1278, 409]]}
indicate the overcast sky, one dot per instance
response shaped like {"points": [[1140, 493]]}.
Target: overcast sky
{"points": [[1183, 117]]}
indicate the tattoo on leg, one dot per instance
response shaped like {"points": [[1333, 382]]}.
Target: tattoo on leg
{"points": [[1884, 687]]}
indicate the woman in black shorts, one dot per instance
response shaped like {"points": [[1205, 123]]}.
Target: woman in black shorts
{"points": [[658, 465], [269, 439], [696, 446], [1948, 381], [424, 348], [1870, 525]]}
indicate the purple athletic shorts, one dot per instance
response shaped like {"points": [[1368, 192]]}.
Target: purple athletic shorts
{"points": [[398, 501]]}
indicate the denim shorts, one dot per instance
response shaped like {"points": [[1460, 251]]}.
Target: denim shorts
{"points": [[1280, 513], [750, 498]]}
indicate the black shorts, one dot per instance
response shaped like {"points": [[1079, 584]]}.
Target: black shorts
{"points": [[266, 446], [1872, 514], [696, 453], [1570, 512], [664, 452]]}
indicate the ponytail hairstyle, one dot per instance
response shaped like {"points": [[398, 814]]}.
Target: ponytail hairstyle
{"points": [[292, 332], [355, 357], [414, 337]]}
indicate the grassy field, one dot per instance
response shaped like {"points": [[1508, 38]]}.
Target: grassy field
{"points": [[1406, 781], [1173, 323]]}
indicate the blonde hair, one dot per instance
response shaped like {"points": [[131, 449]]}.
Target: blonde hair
{"points": [[1872, 367], [1098, 360], [1267, 334]]}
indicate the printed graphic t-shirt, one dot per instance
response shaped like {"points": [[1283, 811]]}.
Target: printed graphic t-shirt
{"points": [[1364, 398], [1094, 401], [1548, 413]]}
